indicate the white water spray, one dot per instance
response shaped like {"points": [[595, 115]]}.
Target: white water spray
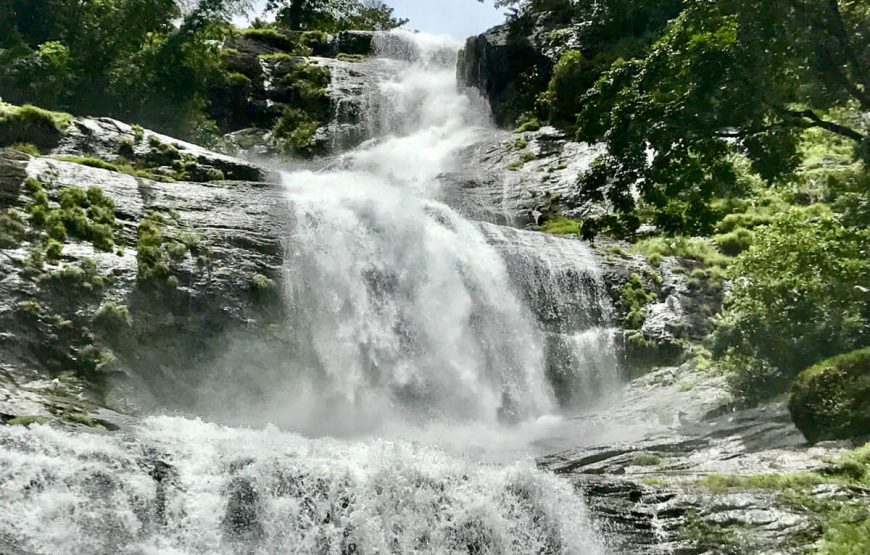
{"points": [[401, 315]]}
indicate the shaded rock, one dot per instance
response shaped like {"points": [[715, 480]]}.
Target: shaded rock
{"points": [[507, 66], [831, 400], [360, 43], [240, 520]]}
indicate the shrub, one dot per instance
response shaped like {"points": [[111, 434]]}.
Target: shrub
{"points": [[797, 298], [733, 242], [571, 76], [634, 298], [112, 316], [152, 262], [53, 250], [831, 399], [272, 37], [88, 215]]}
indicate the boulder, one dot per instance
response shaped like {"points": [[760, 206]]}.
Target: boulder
{"points": [[831, 400]]}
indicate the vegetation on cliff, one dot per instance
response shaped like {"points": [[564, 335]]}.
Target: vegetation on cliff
{"points": [[163, 63], [737, 136]]}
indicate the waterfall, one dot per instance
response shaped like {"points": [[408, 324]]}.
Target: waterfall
{"points": [[413, 334]]}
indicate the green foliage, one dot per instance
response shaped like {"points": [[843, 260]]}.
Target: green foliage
{"points": [[646, 459], [88, 215], [12, 228], [85, 277], [149, 60], [26, 420], [272, 37], [152, 260], [694, 248], [334, 15], [296, 129], [561, 226], [28, 124], [523, 159], [158, 247], [635, 298], [831, 399], [120, 167], [527, 122], [727, 77], [571, 75], [112, 316], [797, 298], [350, 57], [26, 148], [53, 250]]}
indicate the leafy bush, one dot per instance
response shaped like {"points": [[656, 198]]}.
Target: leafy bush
{"points": [[272, 37], [798, 297], [831, 399], [527, 122], [88, 215]]}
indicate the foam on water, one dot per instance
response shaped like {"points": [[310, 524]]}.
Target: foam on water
{"points": [[412, 338]]}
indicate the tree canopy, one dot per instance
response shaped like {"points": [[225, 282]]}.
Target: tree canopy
{"points": [[728, 77]]}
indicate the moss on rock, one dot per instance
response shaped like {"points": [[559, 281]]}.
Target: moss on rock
{"points": [[31, 125], [831, 400]]}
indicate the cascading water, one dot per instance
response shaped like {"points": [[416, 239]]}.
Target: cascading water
{"points": [[406, 321]]}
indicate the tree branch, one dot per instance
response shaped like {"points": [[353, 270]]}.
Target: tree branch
{"points": [[816, 121]]}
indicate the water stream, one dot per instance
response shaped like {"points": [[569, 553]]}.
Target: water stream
{"points": [[430, 352]]}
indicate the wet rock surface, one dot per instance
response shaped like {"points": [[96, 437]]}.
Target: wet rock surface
{"points": [[508, 177], [84, 331], [654, 487]]}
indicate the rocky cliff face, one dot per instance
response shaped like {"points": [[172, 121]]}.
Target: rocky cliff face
{"points": [[186, 266]]}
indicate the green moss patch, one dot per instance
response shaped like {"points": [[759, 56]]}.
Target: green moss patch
{"points": [[88, 215], [120, 167], [635, 298], [26, 420]]}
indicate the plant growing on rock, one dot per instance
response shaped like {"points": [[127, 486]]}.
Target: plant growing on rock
{"points": [[635, 298]]}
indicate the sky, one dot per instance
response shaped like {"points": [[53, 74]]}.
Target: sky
{"points": [[460, 18]]}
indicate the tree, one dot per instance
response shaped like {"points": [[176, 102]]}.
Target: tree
{"points": [[334, 15], [798, 297], [150, 60], [727, 77]]}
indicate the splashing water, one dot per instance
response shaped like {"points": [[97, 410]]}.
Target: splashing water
{"points": [[403, 316]]}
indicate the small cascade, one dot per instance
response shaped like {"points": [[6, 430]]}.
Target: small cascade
{"points": [[562, 285]]}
